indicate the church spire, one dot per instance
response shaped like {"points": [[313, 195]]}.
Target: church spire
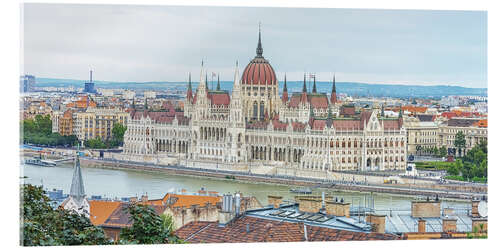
{"points": [[259, 46], [77, 191]]}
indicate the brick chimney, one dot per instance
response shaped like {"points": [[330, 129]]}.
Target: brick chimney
{"points": [[421, 225], [378, 222], [475, 211], [338, 208], [426, 208], [309, 204], [275, 201], [477, 222], [449, 224]]}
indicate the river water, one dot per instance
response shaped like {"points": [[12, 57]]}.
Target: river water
{"points": [[112, 183]]}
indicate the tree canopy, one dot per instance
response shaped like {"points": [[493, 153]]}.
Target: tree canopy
{"points": [[460, 141], [42, 225], [148, 227]]}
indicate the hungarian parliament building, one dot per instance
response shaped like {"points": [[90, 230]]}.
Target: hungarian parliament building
{"points": [[254, 126]]}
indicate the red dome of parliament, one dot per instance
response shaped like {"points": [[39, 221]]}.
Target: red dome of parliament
{"points": [[259, 71]]}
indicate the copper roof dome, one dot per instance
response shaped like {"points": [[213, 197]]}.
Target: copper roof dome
{"points": [[259, 71]]}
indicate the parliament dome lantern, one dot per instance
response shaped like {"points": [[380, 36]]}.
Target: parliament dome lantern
{"points": [[259, 71]]}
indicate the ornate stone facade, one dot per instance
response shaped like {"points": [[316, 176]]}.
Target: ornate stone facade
{"points": [[254, 126]]}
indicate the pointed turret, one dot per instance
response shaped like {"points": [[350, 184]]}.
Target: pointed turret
{"points": [[77, 191], [189, 95], [314, 85], [206, 80], [400, 112], [382, 112], [218, 83], [259, 49], [303, 97], [133, 103], [304, 88], [333, 97], [236, 76], [146, 104], [284, 97]]}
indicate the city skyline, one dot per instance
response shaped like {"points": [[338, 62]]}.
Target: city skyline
{"points": [[401, 47]]}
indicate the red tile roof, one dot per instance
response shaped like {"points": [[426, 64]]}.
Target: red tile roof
{"points": [[219, 98], [264, 230]]}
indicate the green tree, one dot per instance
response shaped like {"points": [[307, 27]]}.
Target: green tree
{"points": [[44, 124], [148, 227], [43, 225], [118, 133], [460, 142], [442, 151]]}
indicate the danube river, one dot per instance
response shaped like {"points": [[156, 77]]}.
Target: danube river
{"points": [[112, 183]]}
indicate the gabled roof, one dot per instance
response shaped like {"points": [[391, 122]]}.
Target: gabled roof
{"points": [[219, 98], [100, 210], [266, 230], [120, 217], [317, 100]]}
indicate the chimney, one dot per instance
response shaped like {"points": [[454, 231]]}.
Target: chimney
{"points": [[275, 201], [449, 224], [377, 221], [309, 204], [305, 232], [481, 224], [339, 208], [426, 208], [421, 225], [475, 211], [226, 214]]}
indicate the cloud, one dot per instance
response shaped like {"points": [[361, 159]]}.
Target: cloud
{"points": [[164, 43]]}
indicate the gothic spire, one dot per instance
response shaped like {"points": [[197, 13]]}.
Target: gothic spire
{"points": [[382, 113], [259, 46], [218, 83], [314, 85], [190, 89], [284, 97], [304, 88], [77, 190], [146, 104], [400, 111], [333, 97]]}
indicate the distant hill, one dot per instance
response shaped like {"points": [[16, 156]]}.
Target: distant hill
{"points": [[349, 88]]}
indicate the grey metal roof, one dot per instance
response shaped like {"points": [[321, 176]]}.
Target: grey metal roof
{"points": [[404, 223], [291, 213], [77, 190]]}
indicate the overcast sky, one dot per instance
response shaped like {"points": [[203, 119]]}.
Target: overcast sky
{"points": [[165, 43]]}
